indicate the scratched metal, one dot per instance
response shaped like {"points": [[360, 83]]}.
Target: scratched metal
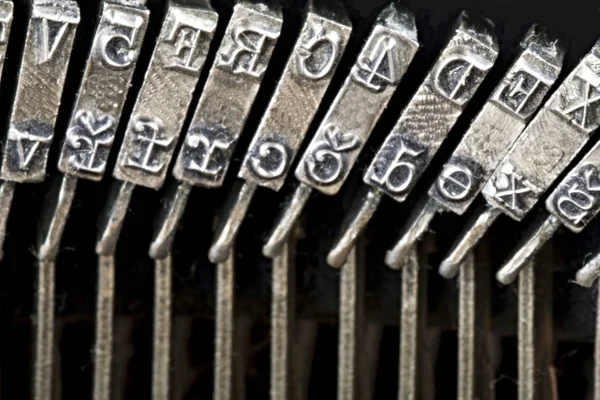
{"points": [[298, 95], [500, 121], [491, 134], [228, 94], [545, 148], [326, 163], [46, 53], [291, 109], [163, 101], [550, 141], [96, 113], [6, 19], [347, 125], [104, 86], [424, 124], [160, 109], [221, 114]]}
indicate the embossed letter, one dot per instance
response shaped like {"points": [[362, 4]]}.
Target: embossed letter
{"points": [[51, 33], [516, 94], [210, 148], [245, 52], [317, 54], [397, 165], [582, 109], [508, 186], [117, 41], [185, 37], [378, 68], [84, 139], [270, 160], [455, 182], [457, 76], [325, 163], [149, 132], [25, 152]]}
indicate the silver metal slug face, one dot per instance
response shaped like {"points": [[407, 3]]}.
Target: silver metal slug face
{"points": [[285, 122], [228, 94], [6, 18], [424, 124], [500, 122], [165, 96], [104, 86], [576, 199], [343, 132], [550, 141], [292, 107], [46, 53]]}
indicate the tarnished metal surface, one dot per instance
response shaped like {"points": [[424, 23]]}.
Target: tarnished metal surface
{"points": [[116, 324], [350, 119]]}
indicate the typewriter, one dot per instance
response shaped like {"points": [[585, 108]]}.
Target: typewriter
{"points": [[299, 199]]}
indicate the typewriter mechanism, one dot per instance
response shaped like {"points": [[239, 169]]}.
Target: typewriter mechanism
{"points": [[299, 199]]}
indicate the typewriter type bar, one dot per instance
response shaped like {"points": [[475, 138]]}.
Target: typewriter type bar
{"points": [[160, 110], [573, 204], [291, 109], [96, 113], [46, 53], [462, 65], [546, 147], [326, 163], [286, 121], [489, 138], [222, 111]]}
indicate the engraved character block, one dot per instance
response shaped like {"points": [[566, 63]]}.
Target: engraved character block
{"points": [[379, 67], [425, 122], [46, 53], [576, 199], [228, 94], [577, 101], [554, 136], [248, 45], [306, 76], [500, 121], [163, 101], [89, 138], [509, 190]]}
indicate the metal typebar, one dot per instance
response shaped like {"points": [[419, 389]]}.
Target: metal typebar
{"points": [[545, 148], [160, 110], [463, 63], [491, 134], [346, 127], [292, 107], [221, 114]]}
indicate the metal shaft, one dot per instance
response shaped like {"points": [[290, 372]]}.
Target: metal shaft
{"points": [[103, 346], [351, 327], [161, 357], [223, 378], [537, 379], [542, 231], [473, 232], [416, 226], [475, 370]]}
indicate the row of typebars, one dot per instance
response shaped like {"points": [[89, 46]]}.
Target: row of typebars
{"points": [[154, 134]]}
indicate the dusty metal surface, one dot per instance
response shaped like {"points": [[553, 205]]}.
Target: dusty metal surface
{"points": [[110, 322]]}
